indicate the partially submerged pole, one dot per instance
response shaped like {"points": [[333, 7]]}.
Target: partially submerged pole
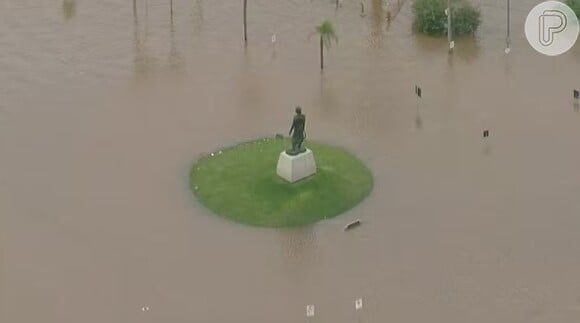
{"points": [[507, 40], [449, 36]]}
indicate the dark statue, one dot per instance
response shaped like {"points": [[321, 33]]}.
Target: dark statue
{"points": [[297, 132]]}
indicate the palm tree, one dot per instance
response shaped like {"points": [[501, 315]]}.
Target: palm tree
{"points": [[245, 26], [327, 35]]}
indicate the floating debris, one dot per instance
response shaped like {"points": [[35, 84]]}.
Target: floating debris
{"points": [[352, 225], [145, 308], [212, 154], [358, 304], [220, 152], [485, 133], [362, 9], [309, 310]]}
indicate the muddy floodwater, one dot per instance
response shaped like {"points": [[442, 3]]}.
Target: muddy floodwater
{"points": [[102, 112]]}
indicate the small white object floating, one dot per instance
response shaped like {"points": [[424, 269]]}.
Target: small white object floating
{"points": [[145, 308], [358, 304], [212, 154], [309, 310], [273, 38], [352, 225], [220, 152]]}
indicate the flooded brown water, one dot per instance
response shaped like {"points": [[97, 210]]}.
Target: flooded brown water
{"points": [[102, 114]]}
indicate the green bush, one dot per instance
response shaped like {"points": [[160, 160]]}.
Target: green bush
{"points": [[430, 17], [575, 5]]}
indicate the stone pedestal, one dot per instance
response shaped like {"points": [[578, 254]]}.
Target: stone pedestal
{"points": [[295, 168]]}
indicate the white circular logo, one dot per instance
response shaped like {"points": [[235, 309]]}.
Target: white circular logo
{"points": [[552, 28]]}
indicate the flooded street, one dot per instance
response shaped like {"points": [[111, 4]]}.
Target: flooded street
{"points": [[102, 112]]}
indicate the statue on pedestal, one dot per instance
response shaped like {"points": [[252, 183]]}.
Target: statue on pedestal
{"points": [[297, 132], [298, 162]]}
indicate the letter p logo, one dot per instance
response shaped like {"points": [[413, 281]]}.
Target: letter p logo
{"points": [[551, 22], [552, 28]]}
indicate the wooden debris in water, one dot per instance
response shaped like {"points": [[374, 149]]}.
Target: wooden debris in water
{"points": [[309, 310], [352, 225], [358, 304]]}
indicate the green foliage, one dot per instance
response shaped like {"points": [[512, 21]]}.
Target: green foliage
{"points": [[575, 5], [430, 17], [327, 33], [241, 184], [69, 8]]}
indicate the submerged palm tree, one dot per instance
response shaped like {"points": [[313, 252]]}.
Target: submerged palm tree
{"points": [[327, 35]]}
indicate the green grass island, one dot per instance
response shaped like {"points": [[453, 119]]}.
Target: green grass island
{"points": [[240, 183]]}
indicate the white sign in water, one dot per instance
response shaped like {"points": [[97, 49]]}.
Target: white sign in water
{"points": [[309, 310], [358, 304]]}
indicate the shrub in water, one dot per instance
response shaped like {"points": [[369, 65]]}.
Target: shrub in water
{"points": [[575, 5], [430, 17]]}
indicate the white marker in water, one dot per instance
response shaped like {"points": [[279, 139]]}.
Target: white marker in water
{"points": [[358, 304], [309, 310], [273, 38], [145, 308]]}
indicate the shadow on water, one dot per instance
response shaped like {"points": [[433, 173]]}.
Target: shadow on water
{"points": [[251, 87], [418, 120], [329, 98], [376, 35], [176, 61], [428, 45], [142, 61], [468, 49], [69, 8], [197, 16]]}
